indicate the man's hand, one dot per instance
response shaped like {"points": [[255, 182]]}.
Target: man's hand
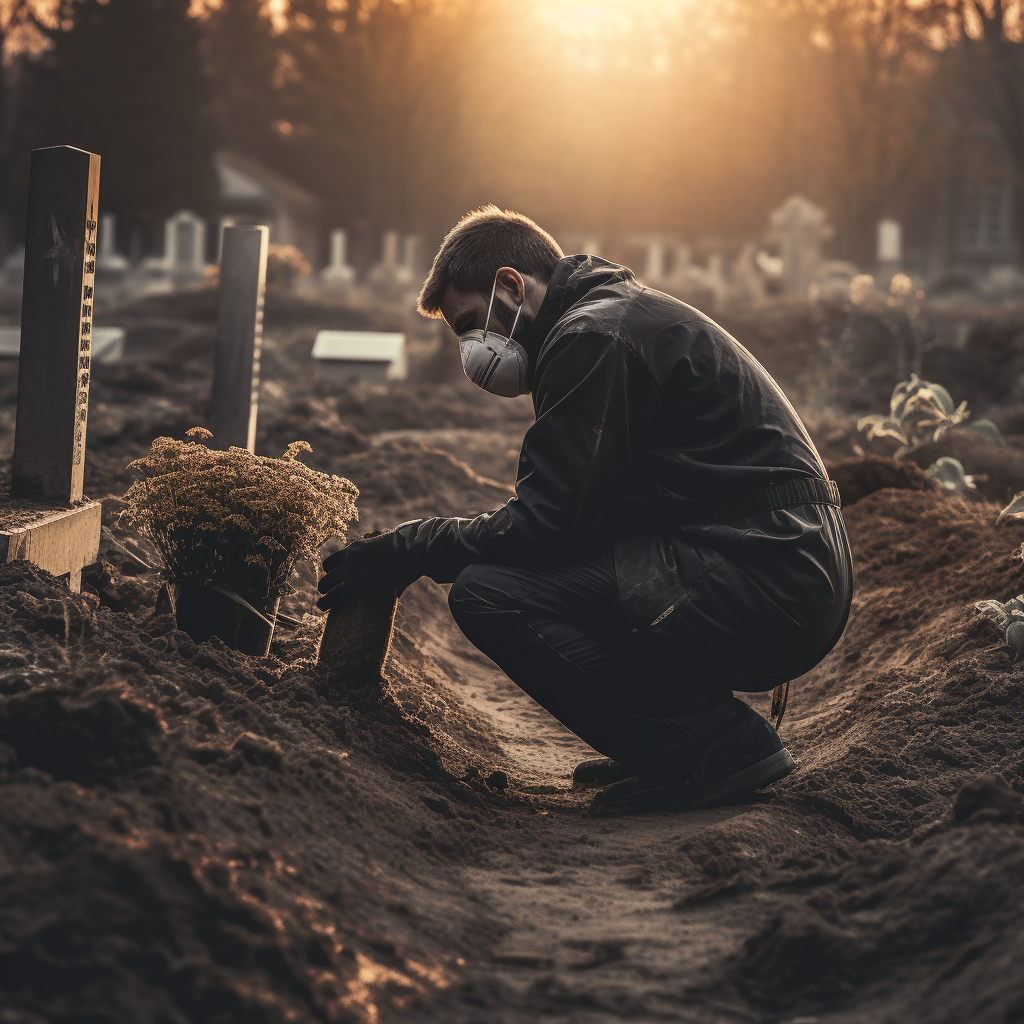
{"points": [[364, 566]]}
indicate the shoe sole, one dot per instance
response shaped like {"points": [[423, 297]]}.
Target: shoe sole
{"points": [[757, 776]]}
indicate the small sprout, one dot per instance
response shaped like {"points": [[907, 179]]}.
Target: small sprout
{"points": [[1009, 619], [199, 432], [950, 474]]}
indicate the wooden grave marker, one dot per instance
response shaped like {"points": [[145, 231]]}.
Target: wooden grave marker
{"points": [[236, 369], [44, 519]]}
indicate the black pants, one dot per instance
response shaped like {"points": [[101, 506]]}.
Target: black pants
{"points": [[559, 632]]}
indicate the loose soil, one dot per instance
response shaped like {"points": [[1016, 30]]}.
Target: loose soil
{"points": [[191, 835]]}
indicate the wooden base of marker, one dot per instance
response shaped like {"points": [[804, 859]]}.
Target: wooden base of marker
{"points": [[60, 540], [356, 644]]}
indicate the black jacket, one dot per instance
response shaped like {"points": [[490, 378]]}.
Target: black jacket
{"points": [[648, 415]]}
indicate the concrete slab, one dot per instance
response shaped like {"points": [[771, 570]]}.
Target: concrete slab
{"points": [[60, 540], [360, 355]]}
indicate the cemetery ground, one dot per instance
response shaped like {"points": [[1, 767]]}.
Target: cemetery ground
{"points": [[188, 834]]}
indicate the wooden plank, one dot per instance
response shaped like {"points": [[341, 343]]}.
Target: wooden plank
{"points": [[61, 541], [236, 370], [56, 325], [356, 643]]}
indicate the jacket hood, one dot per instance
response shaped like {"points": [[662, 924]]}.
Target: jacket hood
{"points": [[573, 279]]}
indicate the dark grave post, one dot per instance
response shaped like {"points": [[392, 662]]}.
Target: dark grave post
{"points": [[236, 370], [56, 325], [38, 520]]}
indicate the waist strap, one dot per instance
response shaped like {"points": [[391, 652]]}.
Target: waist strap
{"points": [[800, 491]]}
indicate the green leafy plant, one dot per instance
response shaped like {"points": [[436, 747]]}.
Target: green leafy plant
{"points": [[233, 521], [951, 476], [920, 411]]}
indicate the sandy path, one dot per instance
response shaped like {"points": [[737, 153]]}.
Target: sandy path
{"points": [[589, 933], [583, 910]]}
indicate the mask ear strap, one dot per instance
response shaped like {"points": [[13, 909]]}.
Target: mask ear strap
{"points": [[514, 322], [490, 306]]}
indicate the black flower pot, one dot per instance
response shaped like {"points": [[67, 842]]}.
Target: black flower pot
{"points": [[204, 613]]}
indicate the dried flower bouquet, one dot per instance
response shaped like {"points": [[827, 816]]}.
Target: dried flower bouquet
{"points": [[232, 522]]}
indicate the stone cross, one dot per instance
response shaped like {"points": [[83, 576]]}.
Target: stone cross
{"points": [[800, 227], [38, 521], [236, 371]]}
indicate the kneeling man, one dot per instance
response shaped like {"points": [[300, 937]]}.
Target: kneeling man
{"points": [[674, 536]]}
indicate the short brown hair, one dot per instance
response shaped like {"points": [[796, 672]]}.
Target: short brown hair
{"points": [[478, 245]]}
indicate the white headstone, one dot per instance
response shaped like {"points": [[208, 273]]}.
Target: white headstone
{"points": [[185, 244], [389, 278], [389, 250], [890, 241], [360, 355], [411, 248], [338, 274], [654, 264], [800, 227], [108, 259], [747, 277]]}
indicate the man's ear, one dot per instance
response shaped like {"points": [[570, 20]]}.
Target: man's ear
{"points": [[512, 282]]}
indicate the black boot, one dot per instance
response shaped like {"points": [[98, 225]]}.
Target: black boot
{"points": [[600, 771], [723, 754]]}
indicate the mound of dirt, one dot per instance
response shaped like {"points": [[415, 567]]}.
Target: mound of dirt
{"points": [[192, 835], [857, 478], [894, 855]]}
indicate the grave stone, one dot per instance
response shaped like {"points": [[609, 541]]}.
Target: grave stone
{"points": [[185, 246], [799, 227], [411, 249], [45, 519], [338, 275], [108, 259], [657, 247], [236, 371], [890, 250], [359, 355], [747, 278], [389, 278]]}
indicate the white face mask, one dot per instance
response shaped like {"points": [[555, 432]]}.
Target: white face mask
{"points": [[493, 362]]}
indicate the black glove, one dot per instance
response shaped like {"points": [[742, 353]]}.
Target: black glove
{"points": [[364, 566]]}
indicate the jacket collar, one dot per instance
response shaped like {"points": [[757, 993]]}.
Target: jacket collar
{"points": [[573, 278]]}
